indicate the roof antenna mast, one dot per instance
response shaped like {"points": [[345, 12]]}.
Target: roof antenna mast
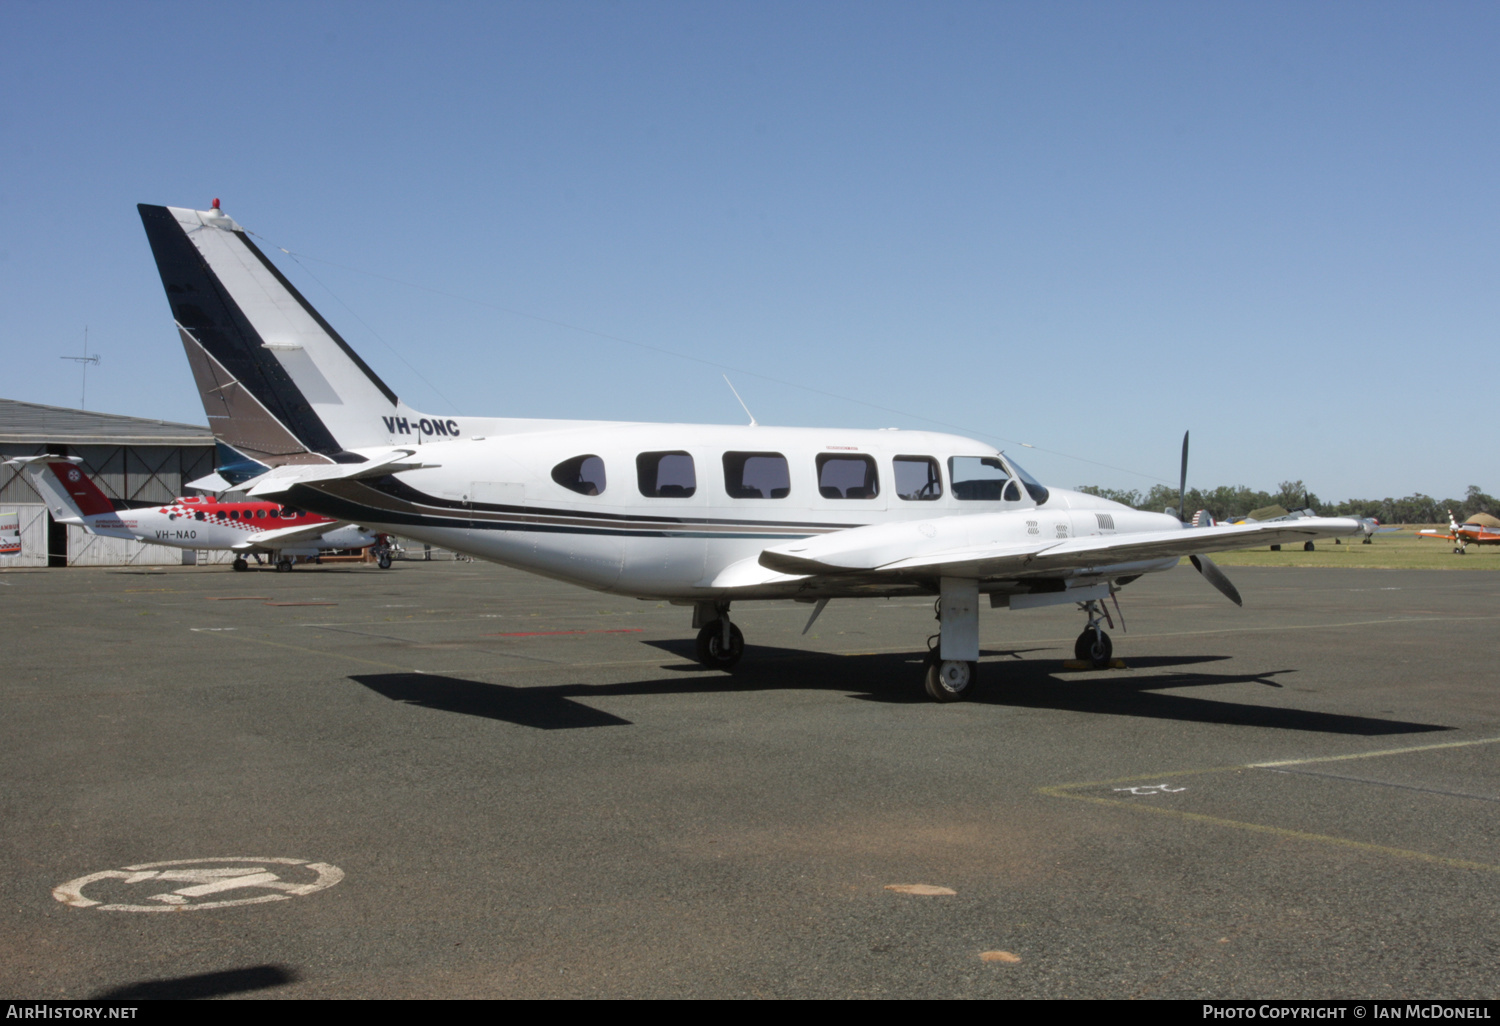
{"points": [[84, 362], [753, 422]]}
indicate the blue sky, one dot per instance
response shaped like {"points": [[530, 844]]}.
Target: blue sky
{"points": [[1083, 226]]}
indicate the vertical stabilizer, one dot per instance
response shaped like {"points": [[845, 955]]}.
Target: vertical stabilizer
{"points": [[277, 382], [71, 497]]}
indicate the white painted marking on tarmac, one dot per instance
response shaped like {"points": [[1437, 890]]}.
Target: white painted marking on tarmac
{"points": [[205, 878], [1375, 755], [1152, 789], [210, 629]]}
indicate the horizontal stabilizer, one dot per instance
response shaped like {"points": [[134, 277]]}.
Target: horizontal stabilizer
{"points": [[279, 482]]}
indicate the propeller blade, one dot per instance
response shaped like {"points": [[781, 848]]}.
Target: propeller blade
{"points": [[1182, 484], [1213, 575]]}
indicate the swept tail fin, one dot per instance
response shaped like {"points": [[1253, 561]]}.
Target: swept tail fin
{"points": [[277, 382]]}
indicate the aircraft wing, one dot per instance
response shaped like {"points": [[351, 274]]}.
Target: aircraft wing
{"points": [[842, 552], [284, 536]]}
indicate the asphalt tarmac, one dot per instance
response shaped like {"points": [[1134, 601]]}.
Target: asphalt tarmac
{"points": [[455, 780]]}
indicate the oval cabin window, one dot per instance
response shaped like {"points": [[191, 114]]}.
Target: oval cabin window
{"points": [[581, 474]]}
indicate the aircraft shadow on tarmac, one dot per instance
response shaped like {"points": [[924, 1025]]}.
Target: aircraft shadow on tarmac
{"points": [[1010, 681], [203, 985]]}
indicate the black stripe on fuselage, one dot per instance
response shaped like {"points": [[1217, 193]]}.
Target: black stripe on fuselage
{"points": [[202, 305], [398, 489], [356, 501]]}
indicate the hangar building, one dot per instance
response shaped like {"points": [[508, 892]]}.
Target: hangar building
{"points": [[134, 460]]}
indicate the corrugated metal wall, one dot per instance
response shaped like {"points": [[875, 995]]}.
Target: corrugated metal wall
{"points": [[145, 473], [33, 520]]}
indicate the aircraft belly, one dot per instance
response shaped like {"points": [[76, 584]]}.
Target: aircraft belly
{"points": [[662, 566]]}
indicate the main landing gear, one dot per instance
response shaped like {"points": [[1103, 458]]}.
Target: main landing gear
{"points": [[949, 680], [720, 643], [1093, 645], [951, 669], [240, 564]]}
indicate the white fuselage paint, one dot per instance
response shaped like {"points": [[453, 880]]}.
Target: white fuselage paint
{"points": [[706, 545]]}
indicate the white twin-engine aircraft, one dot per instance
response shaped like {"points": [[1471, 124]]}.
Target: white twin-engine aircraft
{"points": [[700, 515]]}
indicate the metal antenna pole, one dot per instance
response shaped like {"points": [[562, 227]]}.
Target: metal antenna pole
{"points": [[83, 362]]}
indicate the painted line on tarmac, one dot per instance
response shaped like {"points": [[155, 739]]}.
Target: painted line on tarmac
{"points": [[1318, 626], [1068, 791], [1387, 783], [313, 651], [1373, 755], [552, 633]]}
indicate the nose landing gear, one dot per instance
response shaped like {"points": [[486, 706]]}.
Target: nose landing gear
{"points": [[1093, 645]]}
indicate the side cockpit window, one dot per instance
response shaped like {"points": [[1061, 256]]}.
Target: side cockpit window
{"points": [[847, 477], [666, 475], [581, 474], [981, 479], [756, 475], [918, 478]]}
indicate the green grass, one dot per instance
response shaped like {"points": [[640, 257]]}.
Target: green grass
{"points": [[1400, 550]]}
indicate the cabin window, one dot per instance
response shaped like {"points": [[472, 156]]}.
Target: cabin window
{"points": [[847, 476], [981, 479], [666, 475], [756, 475], [581, 474], [234, 514], [260, 514], [198, 515], [1034, 488], [918, 478]]}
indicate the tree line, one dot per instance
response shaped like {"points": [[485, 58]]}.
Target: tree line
{"points": [[1226, 502]]}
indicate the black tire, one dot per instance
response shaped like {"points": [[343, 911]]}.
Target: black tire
{"points": [[283, 566], [240, 565], [1093, 647], [1275, 548], [1307, 547], [383, 561], [949, 680], [711, 651]]}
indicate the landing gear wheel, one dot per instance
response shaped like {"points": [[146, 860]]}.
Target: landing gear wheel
{"points": [[1307, 547], [1275, 548], [283, 566], [1093, 647], [949, 680], [240, 564], [711, 650], [1365, 542], [383, 560]]}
